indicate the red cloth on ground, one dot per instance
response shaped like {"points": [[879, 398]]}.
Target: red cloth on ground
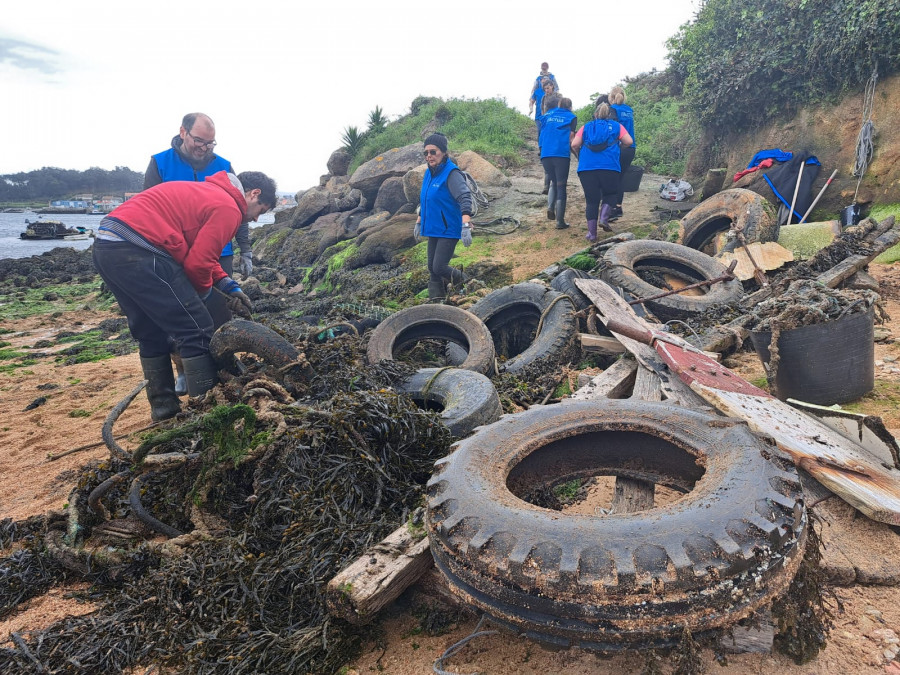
{"points": [[765, 164]]}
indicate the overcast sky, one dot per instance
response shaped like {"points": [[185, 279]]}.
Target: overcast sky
{"points": [[103, 83]]}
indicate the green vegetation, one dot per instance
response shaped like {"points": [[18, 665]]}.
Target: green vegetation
{"points": [[36, 188], [581, 261], [480, 249], [89, 347], [19, 304], [488, 127], [79, 412], [340, 253], [566, 492], [746, 62], [880, 212]]}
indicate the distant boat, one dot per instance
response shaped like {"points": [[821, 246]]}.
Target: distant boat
{"points": [[54, 229]]}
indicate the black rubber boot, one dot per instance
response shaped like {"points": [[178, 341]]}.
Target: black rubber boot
{"points": [[160, 387], [561, 223], [201, 374], [551, 200]]}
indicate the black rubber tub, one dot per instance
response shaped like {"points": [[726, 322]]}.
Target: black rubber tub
{"points": [[824, 363]]}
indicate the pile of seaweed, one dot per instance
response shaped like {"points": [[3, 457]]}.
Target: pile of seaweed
{"points": [[806, 303], [283, 486]]}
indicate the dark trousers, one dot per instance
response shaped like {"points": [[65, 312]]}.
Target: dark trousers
{"points": [[215, 303], [558, 170], [626, 157], [156, 297], [440, 250], [600, 186]]}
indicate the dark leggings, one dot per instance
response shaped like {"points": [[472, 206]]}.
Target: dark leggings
{"points": [[440, 250], [626, 157], [558, 170], [600, 186]]}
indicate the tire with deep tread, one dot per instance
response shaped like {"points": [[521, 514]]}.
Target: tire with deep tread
{"points": [[726, 548], [240, 335], [715, 215], [564, 282], [468, 399], [624, 262], [431, 321], [523, 305]]}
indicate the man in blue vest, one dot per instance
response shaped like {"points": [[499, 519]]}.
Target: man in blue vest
{"points": [[191, 158]]}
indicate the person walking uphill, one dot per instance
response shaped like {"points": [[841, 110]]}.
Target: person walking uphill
{"points": [[597, 144], [625, 115], [557, 131], [159, 255], [445, 209]]}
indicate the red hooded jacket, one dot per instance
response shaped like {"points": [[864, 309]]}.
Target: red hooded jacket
{"points": [[191, 221]]}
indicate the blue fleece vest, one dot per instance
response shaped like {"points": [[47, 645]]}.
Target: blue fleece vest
{"points": [[556, 125], [172, 166], [626, 119], [440, 214], [598, 132]]}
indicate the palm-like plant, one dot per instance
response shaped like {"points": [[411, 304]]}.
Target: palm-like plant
{"points": [[377, 121], [353, 140]]}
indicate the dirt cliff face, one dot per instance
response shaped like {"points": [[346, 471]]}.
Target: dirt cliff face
{"points": [[829, 131]]}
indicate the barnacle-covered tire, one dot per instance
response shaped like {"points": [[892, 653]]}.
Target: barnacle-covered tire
{"points": [[564, 282], [702, 226], [240, 335], [440, 322], [468, 399], [514, 310], [624, 262], [727, 547]]}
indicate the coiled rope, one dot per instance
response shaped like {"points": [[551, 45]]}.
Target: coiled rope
{"points": [[865, 146]]}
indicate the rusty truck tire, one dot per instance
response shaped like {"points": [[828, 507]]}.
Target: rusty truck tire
{"points": [[468, 399], [564, 282], [440, 322], [726, 548], [240, 335], [625, 263], [712, 217], [513, 314]]}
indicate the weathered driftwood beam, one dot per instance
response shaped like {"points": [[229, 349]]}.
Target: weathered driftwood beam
{"points": [[379, 576], [601, 344], [617, 381]]}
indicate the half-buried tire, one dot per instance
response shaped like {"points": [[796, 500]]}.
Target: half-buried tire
{"points": [[564, 282], [437, 322], [530, 325], [727, 547], [240, 335], [466, 399], [705, 225], [645, 268]]}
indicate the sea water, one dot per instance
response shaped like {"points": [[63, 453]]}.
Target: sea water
{"points": [[13, 224]]}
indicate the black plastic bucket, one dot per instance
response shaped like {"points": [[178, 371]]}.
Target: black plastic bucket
{"points": [[850, 215], [825, 363], [631, 179]]}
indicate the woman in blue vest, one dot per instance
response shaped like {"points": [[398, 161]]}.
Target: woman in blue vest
{"points": [[557, 131], [597, 144], [625, 115], [445, 209]]}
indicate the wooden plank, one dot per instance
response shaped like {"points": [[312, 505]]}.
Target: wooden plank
{"points": [[632, 495], [769, 256], [844, 467], [751, 639], [617, 381], [378, 577], [612, 306], [602, 344], [647, 386]]}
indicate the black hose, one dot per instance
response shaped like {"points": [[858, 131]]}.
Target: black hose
{"points": [[100, 491], [115, 449], [134, 499]]}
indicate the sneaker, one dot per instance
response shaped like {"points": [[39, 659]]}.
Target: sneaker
{"points": [[551, 214]]}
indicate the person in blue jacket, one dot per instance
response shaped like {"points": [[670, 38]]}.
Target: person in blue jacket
{"points": [[190, 157], [597, 144], [445, 212], [625, 115], [557, 131], [545, 88]]}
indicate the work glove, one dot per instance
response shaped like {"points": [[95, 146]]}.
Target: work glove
{"points": [[417, 230], [246, 264], [466, 236], [239, 304]]}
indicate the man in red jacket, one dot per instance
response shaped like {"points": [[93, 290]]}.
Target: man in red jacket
{"points": [[159, 255]]}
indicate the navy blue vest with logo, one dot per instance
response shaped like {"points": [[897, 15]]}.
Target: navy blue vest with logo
{"points": [[440, 214]]}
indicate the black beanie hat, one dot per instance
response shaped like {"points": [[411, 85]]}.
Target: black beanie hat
{"points": [[439, 140]]}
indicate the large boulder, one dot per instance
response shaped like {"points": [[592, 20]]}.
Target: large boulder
{"points": [[335, 182], [371, 223], [339, 162], [310, 206], [390, 196], [330, 228], [484, 173], [383, 244], [393, 163], [412, 184], [347, 200]]}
